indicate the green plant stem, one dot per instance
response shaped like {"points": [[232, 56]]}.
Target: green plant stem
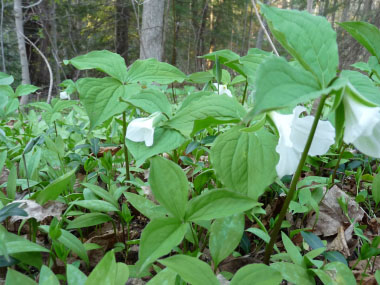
{"points": [[245, 92], [173, 95], [341, 151], [127, 175], [292, 190]]}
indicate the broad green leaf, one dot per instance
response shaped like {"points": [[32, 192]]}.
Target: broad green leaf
{"points": [[169, 185], [71, 242], [12, 209], [105, 271], [309, 39], [6, 79], [200, 77], [19, 246], [225, 236], [363, 87], [245, 162], [159, 237], [342, 274], [41, 105], [145, 206], [280, 85], [99, 191], [3, 157], [377, 276], [312, 240], [261, 274], [31, 258], [191, 269], [75, 276], [152, 70], [15, 277], [47, 277], [100, 98], [122, 274], [151, 101], [250, 63], [88, 220], [218, 204], [165, 140], [11, 184], [199, 114], [294, 273], [195, 96], [96, 205], [223, 55], [260, 233], [376, 189], [366, 34], [227, 58], [54, 189], [164, 277], [103, 60], [25, 89], [61, 105], [291, 249]]}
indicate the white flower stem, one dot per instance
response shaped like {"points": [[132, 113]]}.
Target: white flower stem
{"points": [[293, 185]]}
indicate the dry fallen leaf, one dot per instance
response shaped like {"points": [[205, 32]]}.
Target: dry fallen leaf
{"points": [[340, 243], [331, 216], [35, 210]]}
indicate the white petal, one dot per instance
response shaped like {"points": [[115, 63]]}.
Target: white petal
{"points": [[369, 145], [289, 159], [140, 129], [64, 96], [228, 92], [283, 123], [148, 137], [360, 120], [324, 135]]}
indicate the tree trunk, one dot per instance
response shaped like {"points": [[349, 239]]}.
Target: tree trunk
{"points": [[151, 42], [21, 47], [122, 24], [346, 10], [309, 6]]}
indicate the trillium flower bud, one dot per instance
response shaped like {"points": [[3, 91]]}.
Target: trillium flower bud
{"points": [[362, 126], [142, 129], [222, 89], [64, 96], [294, 132]]}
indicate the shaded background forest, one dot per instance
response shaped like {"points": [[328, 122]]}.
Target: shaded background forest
{"points": [[63, 29]]}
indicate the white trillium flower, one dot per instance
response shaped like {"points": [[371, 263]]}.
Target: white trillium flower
{"points": [[362, 126], [64, 96], [222, 89], [142, 129], [294, 132]]}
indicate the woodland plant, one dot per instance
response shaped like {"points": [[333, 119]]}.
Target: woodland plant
{"points": [[237, 155]]}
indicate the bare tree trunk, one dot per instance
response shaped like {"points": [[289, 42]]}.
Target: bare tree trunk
{"points": [[176, 22], [122, 27], [151, 43], [250, 30], [53, 26], [309, 6], [346, 10], [21, 47], [242, 46], [1, 36]]}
